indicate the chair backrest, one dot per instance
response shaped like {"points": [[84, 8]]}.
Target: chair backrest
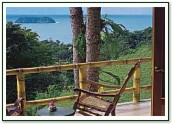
{"points": [[130, 73]]}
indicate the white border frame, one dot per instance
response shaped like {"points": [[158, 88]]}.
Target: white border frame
{"points": [[112, 4]]}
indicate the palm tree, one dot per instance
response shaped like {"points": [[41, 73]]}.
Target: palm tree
{"points": [[76, 19], [93, 22]]}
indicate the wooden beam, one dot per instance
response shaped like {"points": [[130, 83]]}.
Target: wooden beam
{"points": [[158, 61], [76, 66]]}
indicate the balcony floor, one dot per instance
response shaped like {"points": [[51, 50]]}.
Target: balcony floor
{"points": [[142, 108]]}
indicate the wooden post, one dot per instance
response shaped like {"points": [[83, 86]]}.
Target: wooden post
{"points": [[158, 60], [101, 89], [136, 85], [82, 78], [21, 88]]}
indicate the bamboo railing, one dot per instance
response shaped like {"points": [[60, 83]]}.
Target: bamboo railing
{"points": [[82, 67]]}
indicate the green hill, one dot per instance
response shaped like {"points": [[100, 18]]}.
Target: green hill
{"points": [[143, 51], [122, 70]]}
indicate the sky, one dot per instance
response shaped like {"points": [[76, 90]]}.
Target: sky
{"points": [[65, 10]]}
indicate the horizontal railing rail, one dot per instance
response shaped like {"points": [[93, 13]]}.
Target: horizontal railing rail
{"points": [[75, 66]]}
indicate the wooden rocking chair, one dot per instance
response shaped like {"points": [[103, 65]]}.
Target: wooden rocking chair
{"points": [[93, 103], [16, 109]]}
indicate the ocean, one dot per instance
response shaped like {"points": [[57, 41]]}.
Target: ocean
{"points": [[61, 30]]}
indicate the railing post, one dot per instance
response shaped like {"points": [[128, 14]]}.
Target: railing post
{"points": [[82, 77], [21, 88], [136, 85]]}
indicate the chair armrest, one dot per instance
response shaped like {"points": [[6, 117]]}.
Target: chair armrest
{"points": [[102, 85], [16, 109], [19, 100], [94, 93]]}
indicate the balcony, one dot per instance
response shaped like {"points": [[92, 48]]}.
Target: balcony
{"points": [[135, 108]]}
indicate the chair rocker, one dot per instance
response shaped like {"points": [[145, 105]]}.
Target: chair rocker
{"points": [[92, 103], [16, 109]]}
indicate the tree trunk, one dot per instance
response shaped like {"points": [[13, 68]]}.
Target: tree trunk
{"points": [[76, 18], [93, 41]]}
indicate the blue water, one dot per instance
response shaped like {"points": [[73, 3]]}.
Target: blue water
{"points": [[61, 30]]}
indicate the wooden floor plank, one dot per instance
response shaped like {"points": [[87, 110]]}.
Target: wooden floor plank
{"points": [[132, 109]]}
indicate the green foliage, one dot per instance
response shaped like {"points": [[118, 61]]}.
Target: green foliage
{"points": [[51, 92], [117, 28], [116, 81], [60, 52], [109, 46], [24, 49], [31, 111], [144, 50], [117, 40], [67, 78], [121, 70], [110, 41], [80, 44], [123, 44], [39, 82]]}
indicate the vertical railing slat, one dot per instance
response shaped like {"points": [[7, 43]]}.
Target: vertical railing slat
{"points": [[136, 85], [82, 78], [21, 88]]}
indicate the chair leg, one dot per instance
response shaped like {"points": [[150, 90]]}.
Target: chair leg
{"points": [[108, 111], [75, 106], [7, 113], [113, 112]]}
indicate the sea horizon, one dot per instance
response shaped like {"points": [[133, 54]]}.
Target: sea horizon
{"points": [[62, 29], [83, 14]]}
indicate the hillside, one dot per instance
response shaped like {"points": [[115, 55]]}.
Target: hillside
{"points": [[122, 70], [145, 50]]}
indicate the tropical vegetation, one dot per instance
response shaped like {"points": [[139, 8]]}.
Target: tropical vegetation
{"points": [[24, 49]]}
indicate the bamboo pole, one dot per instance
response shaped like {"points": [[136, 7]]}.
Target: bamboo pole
{"points": [[82, 78], [46, 101], [146, 87], [75, 66], [127, 90], [21, 88], [42, 69], [136, 85], [73, 97]]}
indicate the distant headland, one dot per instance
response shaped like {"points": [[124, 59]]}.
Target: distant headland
{"points": [[35, 20]]}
